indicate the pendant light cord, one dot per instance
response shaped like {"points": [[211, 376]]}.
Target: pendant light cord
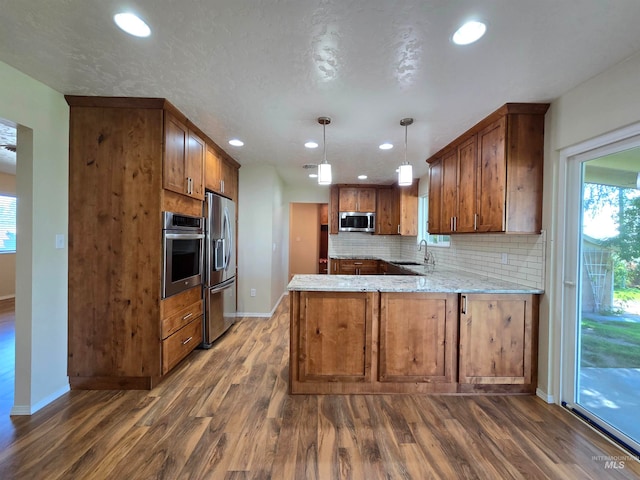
{"points": [[405, 144]]}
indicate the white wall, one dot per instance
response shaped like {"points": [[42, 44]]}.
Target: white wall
{"points": [[605, 103], [42, 116], [7, 260], [260, 218]]}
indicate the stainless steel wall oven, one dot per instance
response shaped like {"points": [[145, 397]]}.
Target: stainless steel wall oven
{"points": [[183, 247]]}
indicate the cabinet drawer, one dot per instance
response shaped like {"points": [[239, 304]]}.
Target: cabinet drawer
{"points": [[180, 344], [176, 321]]}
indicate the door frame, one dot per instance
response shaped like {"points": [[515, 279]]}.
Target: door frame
{"points": [[567, 251]]}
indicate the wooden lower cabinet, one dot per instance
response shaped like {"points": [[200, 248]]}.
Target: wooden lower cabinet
{"points": [[498, 342], [335, 336], [180, 344], [412, 342], [418, 337]]}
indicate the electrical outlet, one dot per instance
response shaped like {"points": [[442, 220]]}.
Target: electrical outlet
{"points": [[59, 240], [253, 292], [504, 259]]}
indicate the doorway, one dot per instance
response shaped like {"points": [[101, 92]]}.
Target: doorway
{"points": [[308, 238], [603, 312]]}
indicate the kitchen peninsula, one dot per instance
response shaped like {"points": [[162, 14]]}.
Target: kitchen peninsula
{"points": [[445, 331]]}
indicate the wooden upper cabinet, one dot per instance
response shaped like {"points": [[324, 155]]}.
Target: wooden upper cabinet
{"points": [[492, 177], [357, 199], [449, 191], [220, 174], [434, 225], [498, 339], [194, 166], [466, 216], [498, 174], [387, 212], [175, 151], [184, 156], [334, 213], [408, 198], [213, 170]]}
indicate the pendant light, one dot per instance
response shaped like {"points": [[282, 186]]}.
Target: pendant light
{"points": [[324, 169], [405, 172]]}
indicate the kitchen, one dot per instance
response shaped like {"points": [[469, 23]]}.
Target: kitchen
{"points": [[603, 104]]}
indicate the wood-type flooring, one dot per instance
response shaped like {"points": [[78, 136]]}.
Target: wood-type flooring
{"points": [[225, 414]]}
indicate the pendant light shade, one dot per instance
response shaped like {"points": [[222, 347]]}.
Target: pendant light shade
{"points": [[405, 172], [324, 169]]}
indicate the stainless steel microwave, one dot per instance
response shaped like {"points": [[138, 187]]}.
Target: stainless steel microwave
{"points": [[357, 222]]}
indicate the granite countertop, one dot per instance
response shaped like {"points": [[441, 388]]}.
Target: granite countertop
{"points": [[441, 280]]}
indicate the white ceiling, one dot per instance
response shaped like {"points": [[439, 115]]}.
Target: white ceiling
{"points": [[264, 70]]}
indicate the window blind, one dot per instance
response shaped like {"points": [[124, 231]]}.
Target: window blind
{"points": [[7, 224]]}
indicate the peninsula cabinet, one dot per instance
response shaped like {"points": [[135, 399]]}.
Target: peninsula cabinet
{"points": [[335, 336], [122, 151], [418, 337], [490, 178], [498, 342]]}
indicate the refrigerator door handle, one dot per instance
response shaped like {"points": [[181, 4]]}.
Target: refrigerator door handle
{"points": [[222, 286], [227, 234]]}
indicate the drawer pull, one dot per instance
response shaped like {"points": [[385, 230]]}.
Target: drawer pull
{"points": [[357, 263], [187, 316], [187, 340]]}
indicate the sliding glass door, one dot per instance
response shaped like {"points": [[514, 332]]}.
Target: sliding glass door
{"points": [[604, 250]]}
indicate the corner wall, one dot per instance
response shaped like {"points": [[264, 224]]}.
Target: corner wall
{"points": [[42, 116]]}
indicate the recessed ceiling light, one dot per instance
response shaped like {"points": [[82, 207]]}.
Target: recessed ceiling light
{"points": [[311, 145], [362, 177], [469, 33], [313, 175], [132, 24], [235, 142], [386, 146]]}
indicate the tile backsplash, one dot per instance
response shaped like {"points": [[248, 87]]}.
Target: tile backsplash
{"points": [[515, 258]]}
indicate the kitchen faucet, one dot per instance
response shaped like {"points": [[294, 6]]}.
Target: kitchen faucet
{"points": [[428, 259]]}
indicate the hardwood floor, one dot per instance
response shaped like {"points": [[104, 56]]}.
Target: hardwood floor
{"points": [[225, 414], [7, 363]]}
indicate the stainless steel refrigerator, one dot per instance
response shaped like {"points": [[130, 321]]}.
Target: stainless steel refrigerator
{"points": [[220, 267]]}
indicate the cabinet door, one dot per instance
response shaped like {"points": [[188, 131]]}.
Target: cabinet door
{"points": [[213, 173], [408, 199], [387, 212], [492, 177], [348, 201], [334, 341], [449, 191], [194, 166], [466, 220], [334, 200], [418, 337], [334, 266], [497, 339], [229, 180], [435, 198], [367, 267], [175, 151], [347, 267], [366, 200]]}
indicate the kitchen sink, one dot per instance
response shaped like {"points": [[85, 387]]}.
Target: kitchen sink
{"points": [[407, 263]]}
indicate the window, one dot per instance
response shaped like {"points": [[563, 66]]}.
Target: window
{"points": [[7, 224], [423, 225]]}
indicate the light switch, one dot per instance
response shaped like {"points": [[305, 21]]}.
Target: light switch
{"points": [[59, 240]]}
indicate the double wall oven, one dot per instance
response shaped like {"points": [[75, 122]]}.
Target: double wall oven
{"points": [[183, 248]]}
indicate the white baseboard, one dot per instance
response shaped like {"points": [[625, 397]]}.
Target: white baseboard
{"points": [[31, 409], [545, 396], [7, 297], [263, 315]]}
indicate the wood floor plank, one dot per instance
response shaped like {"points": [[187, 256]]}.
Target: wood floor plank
{"points": [[226, 413]]}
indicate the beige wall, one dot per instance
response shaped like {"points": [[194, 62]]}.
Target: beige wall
{"points": [[42, 118], [7, 260], [605, 103], [304, 238]]}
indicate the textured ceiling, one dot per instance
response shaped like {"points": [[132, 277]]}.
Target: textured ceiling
{"points": [[265, 70]]}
